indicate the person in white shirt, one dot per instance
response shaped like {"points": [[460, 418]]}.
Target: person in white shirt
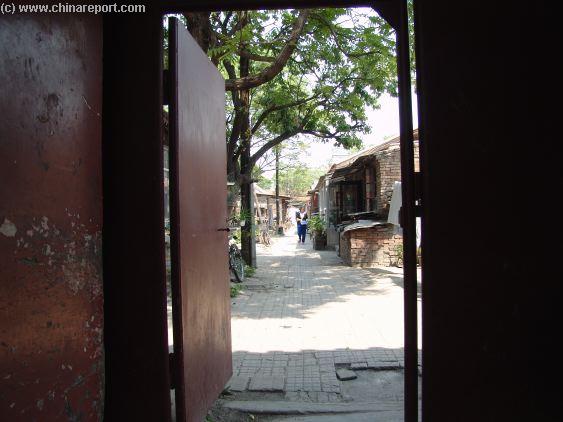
{"points": [[301, 218]]}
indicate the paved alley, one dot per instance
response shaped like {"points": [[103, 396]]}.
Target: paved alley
{"points": [[304, 315]]}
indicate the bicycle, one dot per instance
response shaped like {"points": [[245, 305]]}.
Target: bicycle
{"points": [[264, 235], [236, 263]]}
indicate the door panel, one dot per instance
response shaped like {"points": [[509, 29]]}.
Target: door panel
{"points": [[200, 279], [51, 299]]}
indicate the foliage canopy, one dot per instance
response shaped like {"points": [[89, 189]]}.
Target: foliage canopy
{"points": [[297, 72]]}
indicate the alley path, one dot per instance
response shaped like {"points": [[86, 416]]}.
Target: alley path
{"points": [[304, 315]]}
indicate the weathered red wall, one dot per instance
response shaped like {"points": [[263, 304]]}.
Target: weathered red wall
{"points": [[51, 316]]}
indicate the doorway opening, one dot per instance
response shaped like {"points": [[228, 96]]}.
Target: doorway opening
{"points": [[287, 346]]}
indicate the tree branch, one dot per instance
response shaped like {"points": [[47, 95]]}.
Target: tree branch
{"points": [[272, 109], [241, 23], [230, 68], [337, 41], [276, 67], [337, 135], [279, 139], [228, 16], [270, 144], [237, 121], [256, 57]]}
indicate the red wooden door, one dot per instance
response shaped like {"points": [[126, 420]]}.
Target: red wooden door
{"points": [[51, 292], [200, 279]]}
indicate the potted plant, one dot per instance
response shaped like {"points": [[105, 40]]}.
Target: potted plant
{"points": [[240, 219], [317, 227]]}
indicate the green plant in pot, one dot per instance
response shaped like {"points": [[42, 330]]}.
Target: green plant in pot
{"points": [[243, 218], [317, 227]]}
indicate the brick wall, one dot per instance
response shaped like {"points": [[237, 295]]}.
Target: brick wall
{"points": [[387, 164], [370, 247], [387, 171]]}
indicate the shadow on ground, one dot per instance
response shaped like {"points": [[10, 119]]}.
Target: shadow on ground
{"points": [[298, 280]]}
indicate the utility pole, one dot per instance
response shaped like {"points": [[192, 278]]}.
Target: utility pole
{"points": [[278, 217]]}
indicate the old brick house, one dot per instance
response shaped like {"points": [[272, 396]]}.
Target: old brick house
{"points": [[354, 197]]}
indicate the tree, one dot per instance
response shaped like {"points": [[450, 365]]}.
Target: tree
{"points": [[261, 180], [295, 72], [295, 176], [296, 180]]}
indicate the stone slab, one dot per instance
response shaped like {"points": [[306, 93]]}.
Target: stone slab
{"points": [[359, 366], [345, 374], [238, 383], [266, 383], [384, 366]]}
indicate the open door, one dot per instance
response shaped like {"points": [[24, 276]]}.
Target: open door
{"points": [[201, 363]]}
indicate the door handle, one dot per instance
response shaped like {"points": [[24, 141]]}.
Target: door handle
{"points": [[225, 229]]}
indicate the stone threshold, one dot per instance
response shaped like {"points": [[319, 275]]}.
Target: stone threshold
{"points": [[306, 408]]}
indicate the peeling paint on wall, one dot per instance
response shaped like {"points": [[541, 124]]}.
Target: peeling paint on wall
{"points": [[8, 228], [61, 267]]}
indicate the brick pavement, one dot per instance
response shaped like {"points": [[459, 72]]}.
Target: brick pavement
{"points": [[304, 315]]}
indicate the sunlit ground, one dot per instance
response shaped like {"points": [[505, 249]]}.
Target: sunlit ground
{"points": [[302, 299]]}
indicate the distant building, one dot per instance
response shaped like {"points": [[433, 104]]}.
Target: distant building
{"points": [[353, 198], [265, 205]]}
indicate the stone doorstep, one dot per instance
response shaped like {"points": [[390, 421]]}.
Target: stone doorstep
{"points": [[309, 408]]}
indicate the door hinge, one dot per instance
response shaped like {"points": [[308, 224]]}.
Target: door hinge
{"points": [[172, 370]]}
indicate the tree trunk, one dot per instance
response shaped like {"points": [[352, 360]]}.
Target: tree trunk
{"points": [[200, 28], [247, 231]]}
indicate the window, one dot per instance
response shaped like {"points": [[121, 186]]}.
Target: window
{"points": [[334, 203], [370, 188]]}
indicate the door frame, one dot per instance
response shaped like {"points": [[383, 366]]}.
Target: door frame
{"points": [[138, 378]]}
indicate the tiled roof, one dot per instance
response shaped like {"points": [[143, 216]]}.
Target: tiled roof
{"points": [[390, 144], [264, 192]]}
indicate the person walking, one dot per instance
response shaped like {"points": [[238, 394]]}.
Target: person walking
{"points": [[301, 218]]}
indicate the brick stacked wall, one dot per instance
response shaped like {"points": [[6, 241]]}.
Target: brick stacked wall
{"points": [[370, 247], [387, 172]]}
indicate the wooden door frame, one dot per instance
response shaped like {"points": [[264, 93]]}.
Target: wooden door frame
{"points": [[137, 361], [136, 340]]}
